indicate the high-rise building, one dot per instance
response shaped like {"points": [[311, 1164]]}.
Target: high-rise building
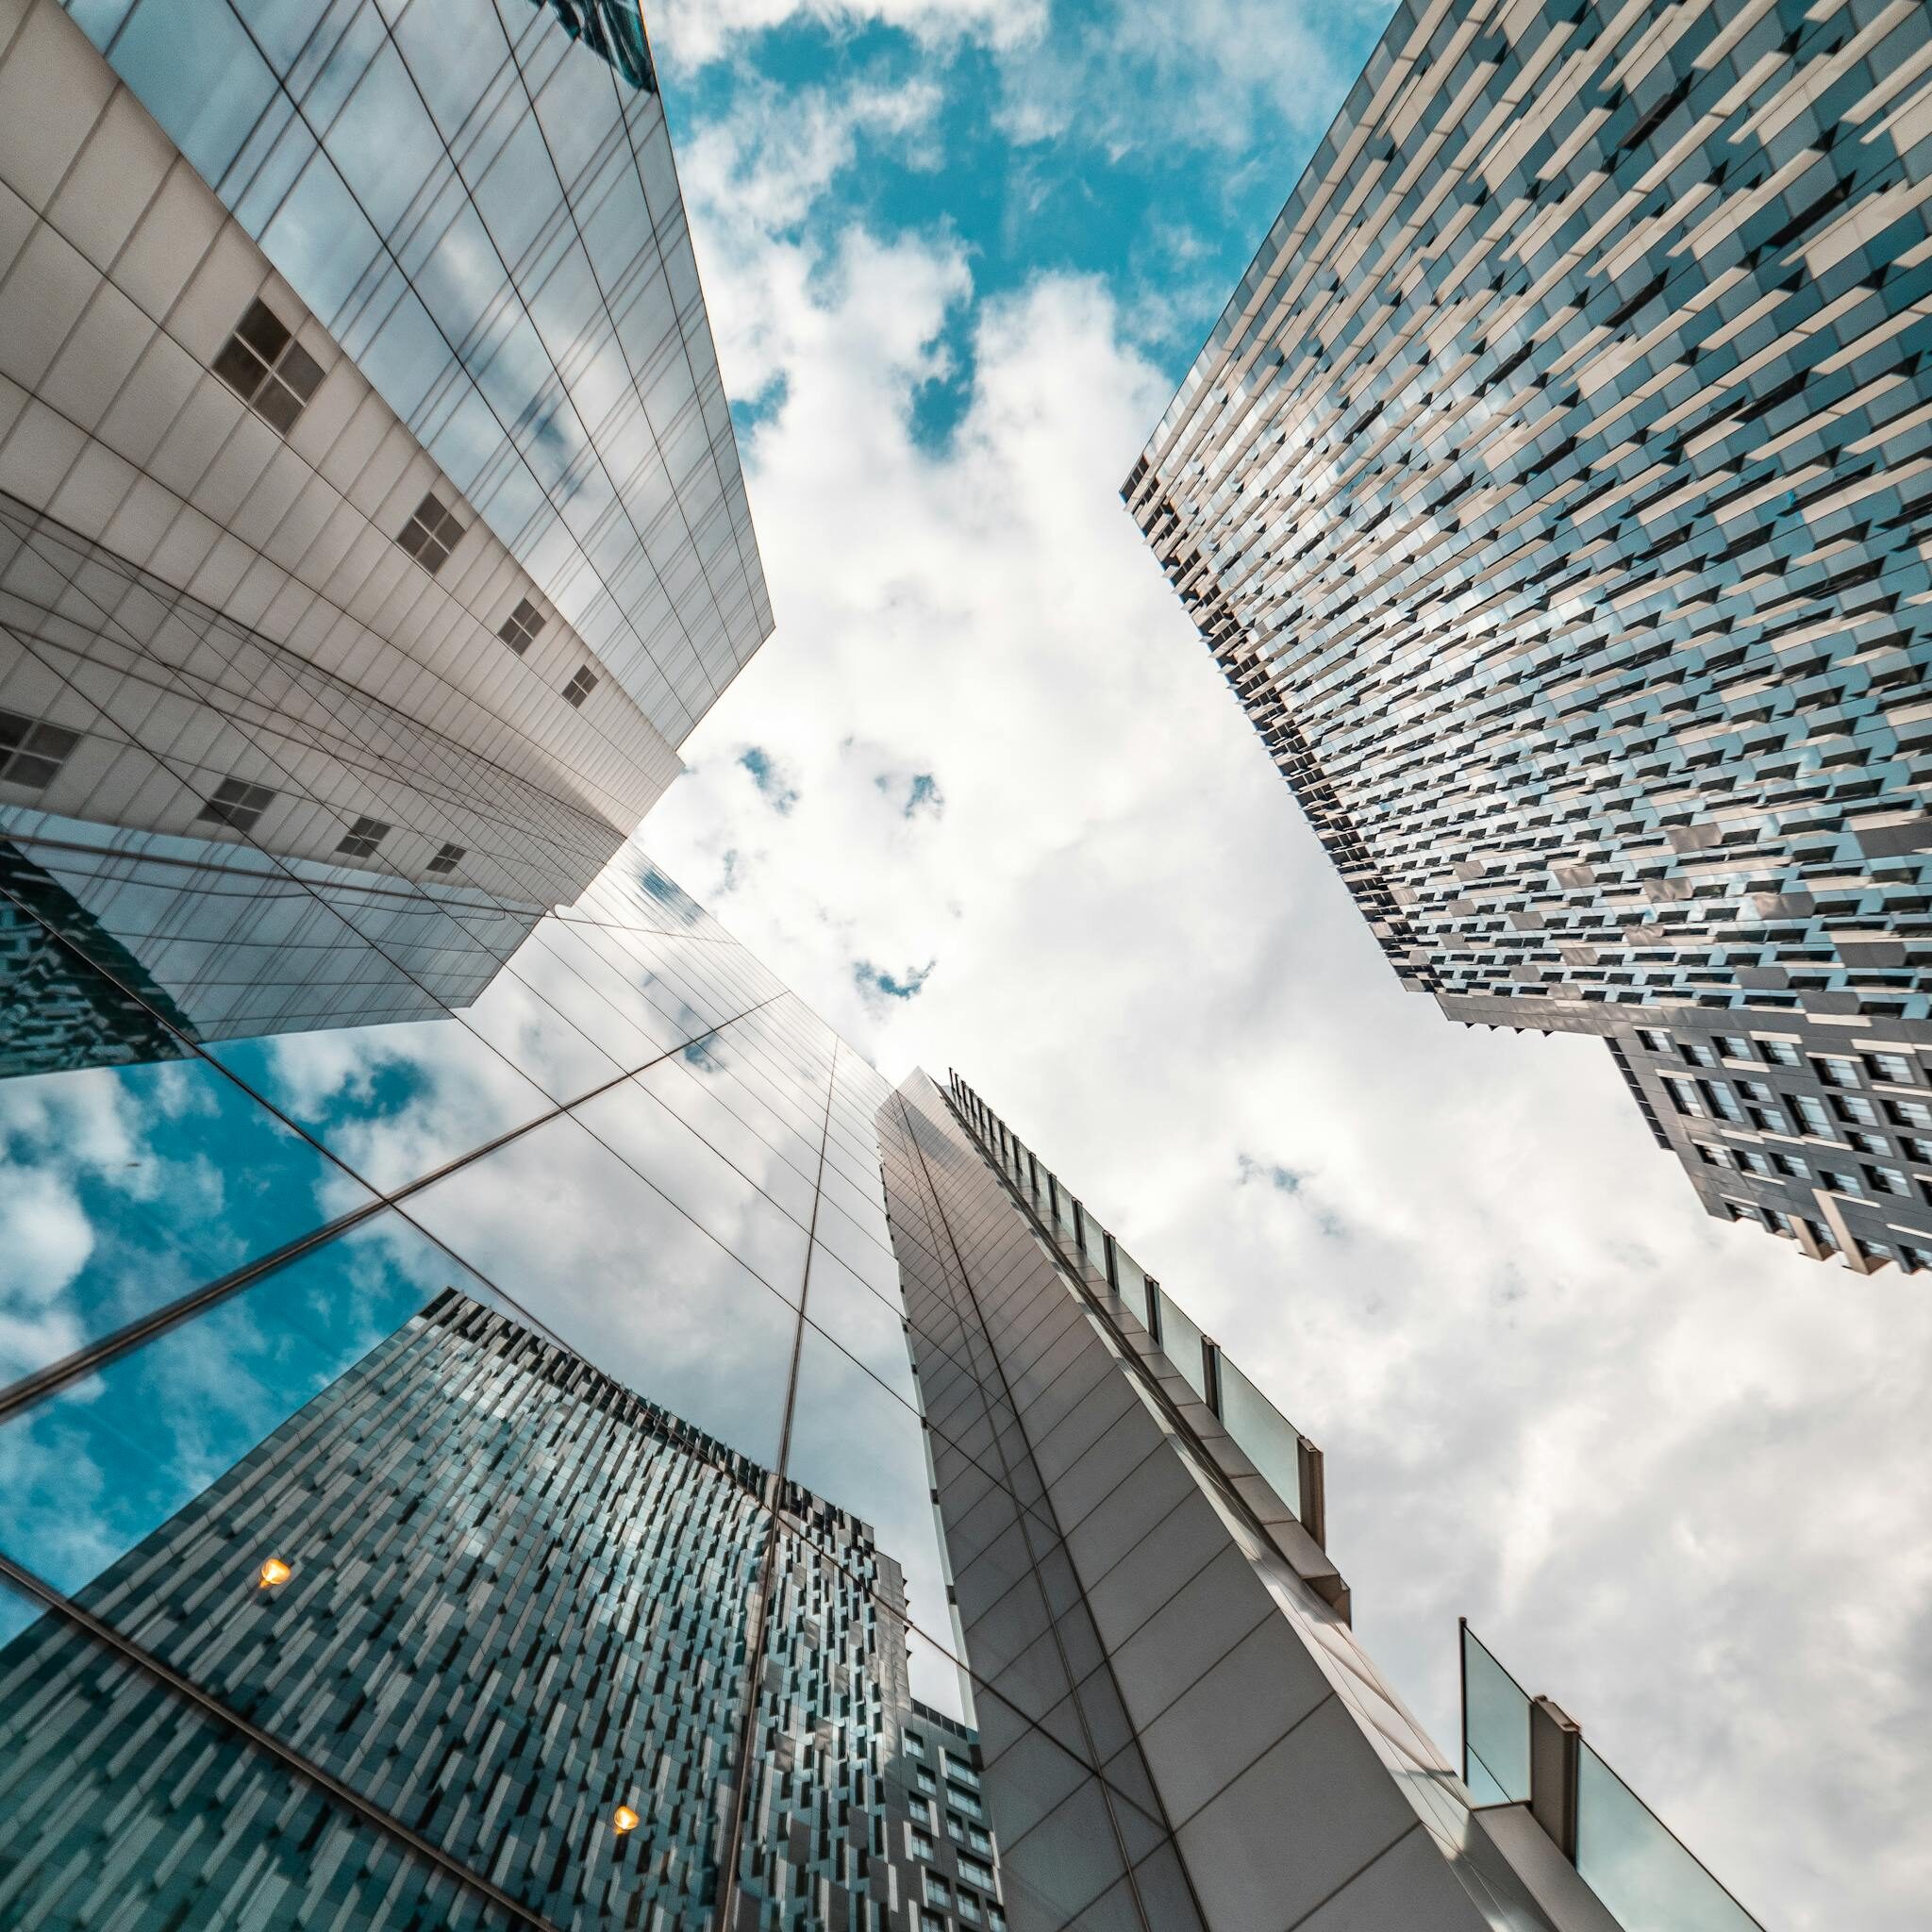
{"points": [[1551, 492], [479, 1601], [1163, 1648], [371, 529], [622, 1448]]}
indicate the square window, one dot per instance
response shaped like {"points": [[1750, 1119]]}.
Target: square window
{"points": [[236, 803], [521, 626], [1781, 1052], [268, 369], [31, 753], [448, 859], [579, 687], [363, 838], [1887, 1180], [430, 534]]}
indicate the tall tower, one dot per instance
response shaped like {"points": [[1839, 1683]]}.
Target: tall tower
{"points": [[477, 1636], [1165, 1670], [372, 527], [1551, 492]]}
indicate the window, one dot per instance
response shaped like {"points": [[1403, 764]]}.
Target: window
{"points": [[1685, 1098], [1870, 1143], [975, 1873], [447, 857], [922, 1846], [1780, 1221], [1917, 1150], [1887, 1180], [1781, 1052], [1753, 1162], [967, 1800], [364, 837], [1732, 1048], [1838, 1183], [1888, 1066], [961, 1773], [938, 1892], [1914, 1260], [431, 534], [237, 803], [1723, 1102], [1812, 1118], [1790, 1164], [1697, 1053], [925, 1781], [968, 1909], [1712, 1157], [269, 369], [979, 1838], [1855, 1106], [1757, 1091], [520, 626], [579, 687], [1655, 1043], [32, 752], [1908, 1114], [915, 1745], [1833, 1072]]}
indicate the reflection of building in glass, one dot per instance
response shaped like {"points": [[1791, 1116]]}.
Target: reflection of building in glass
{"points": [[373, 529], [518, 1597], [1169, 1680], [1549, 492]]}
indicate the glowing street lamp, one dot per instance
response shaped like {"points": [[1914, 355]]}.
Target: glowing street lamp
{"points": [[625, 1820], [273, 1572]]}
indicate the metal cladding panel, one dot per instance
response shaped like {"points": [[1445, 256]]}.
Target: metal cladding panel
{"points": [[1178, 1730]]}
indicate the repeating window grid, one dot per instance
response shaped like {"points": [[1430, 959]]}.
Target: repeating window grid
{"points": [[265, 366], [678, 398], [580, 686], [32, 752], [1229, 495]]}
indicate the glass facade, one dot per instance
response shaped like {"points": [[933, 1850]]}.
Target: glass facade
{"points": [[1632, 1863], [1549, 492], [371, 529], [554, 1346]]}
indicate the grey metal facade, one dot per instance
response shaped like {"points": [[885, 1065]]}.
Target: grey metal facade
{"points": [[1552, 493], [1164, 1670]]}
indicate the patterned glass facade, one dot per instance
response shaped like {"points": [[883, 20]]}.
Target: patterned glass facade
{"points": [[556, 1346], [1552, 493]]}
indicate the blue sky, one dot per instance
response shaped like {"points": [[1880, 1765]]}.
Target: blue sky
{"points": [[1152, 161], [958, 254]]}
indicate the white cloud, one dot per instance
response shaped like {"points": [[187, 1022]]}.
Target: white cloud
{"points": [[1675, 1473], [688, 33]]}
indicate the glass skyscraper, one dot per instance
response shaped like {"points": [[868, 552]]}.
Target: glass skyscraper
{"points": [[476, 1445], [1551, 493], [372, 530]]}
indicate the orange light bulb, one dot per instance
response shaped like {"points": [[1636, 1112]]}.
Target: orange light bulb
{"points": [[625, 1820], [273, 1572]]}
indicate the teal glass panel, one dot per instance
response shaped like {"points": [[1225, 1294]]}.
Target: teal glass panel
{"points": [[1495, 1727], [1180, 1339], [1265, 1436], [1639, 1868]]}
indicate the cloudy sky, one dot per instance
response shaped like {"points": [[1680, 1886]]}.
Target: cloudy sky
{"points": [[984, 801]]}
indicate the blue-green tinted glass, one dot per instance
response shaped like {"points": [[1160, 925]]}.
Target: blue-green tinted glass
{"points": [[1637, 1868], [1495, 1727]]}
